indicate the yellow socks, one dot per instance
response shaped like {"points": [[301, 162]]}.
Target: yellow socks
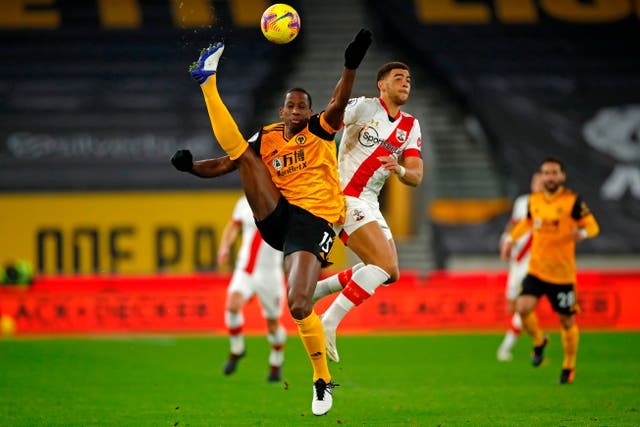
{"points": [[530, 324], [224, 127], [312, 335], [570, 338]]}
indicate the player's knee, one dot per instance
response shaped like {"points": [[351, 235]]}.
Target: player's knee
{"points": [[523, 312], [233, 308], [234, 302], [272, 326], [299, 308], [566, 321], [234, 305], [299, 313]]}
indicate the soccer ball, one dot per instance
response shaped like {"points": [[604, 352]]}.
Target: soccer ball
{"points": [[280, 23]]}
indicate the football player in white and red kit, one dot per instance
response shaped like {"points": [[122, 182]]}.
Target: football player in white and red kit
{"points": [[258, 271], [378, 140], [518, 264]]}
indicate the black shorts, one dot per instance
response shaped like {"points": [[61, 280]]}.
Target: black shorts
{"points": [[290, 228], [562, 297]]}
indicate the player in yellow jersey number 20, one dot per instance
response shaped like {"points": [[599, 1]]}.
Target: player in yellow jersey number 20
{"points": [[290, 178], [559, 218]]}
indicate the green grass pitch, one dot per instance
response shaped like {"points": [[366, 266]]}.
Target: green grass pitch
{"points": [[395, 380]]}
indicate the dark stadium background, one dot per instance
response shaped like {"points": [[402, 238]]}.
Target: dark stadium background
{"points": [[111, 301], [96, 98]]}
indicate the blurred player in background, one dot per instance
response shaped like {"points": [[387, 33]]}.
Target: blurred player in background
{"points": [[559, 218], [290, 178], [258, 271], [378, 140], [518, 264]]}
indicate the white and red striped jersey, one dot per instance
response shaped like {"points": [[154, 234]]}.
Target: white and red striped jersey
{"points": [[522, 246], [369, 133], [254, 252]]}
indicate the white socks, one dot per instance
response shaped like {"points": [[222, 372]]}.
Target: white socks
{"points": [[516, 324], [512, 334], [277, 340], [234, 322], [361, 286], [334, 283]]}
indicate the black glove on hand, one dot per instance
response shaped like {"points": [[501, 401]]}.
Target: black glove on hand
{"points": [[182, 160], [356, 50]]}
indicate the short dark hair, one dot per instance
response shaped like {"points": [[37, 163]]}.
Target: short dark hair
{"points": [[386, 69], [299, 89], [555, 160]]}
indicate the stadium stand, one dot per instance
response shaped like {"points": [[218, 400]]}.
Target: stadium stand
{"points": [[542, 79], [89, 106], [101, 108]]}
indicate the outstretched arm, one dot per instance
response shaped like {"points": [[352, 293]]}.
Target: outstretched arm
{"points": [[353, 55], [209, 168]]}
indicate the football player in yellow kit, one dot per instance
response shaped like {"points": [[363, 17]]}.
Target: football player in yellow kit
{"points": [[290, 178], [559, 218]]}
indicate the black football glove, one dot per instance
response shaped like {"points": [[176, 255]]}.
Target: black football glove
{"points": [[356, 50], [182, 160]]}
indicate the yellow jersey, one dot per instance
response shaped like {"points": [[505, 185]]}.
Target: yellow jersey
{"points": [[305, 167], [553, 218]]}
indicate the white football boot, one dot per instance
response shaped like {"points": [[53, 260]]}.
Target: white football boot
{"points": [[322, 397]]}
